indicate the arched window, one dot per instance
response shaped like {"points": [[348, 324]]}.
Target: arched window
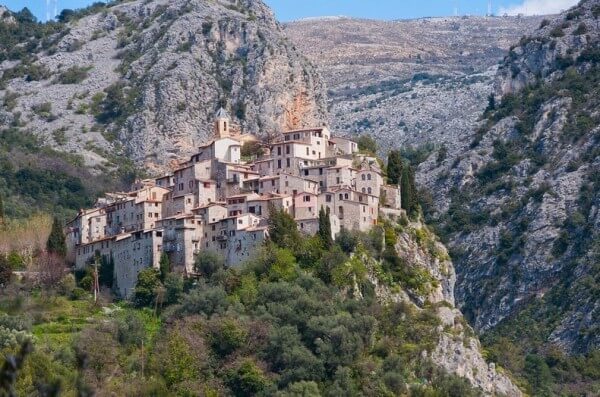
{"points": [[364, 191], [369, 176], [363, 177], [370, 191]]}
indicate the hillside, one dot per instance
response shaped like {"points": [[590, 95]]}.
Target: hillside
{"points": [[412, 82], [371, 315], [137, 83], [519, 205]]}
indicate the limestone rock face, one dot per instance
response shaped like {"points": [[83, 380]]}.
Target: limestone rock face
{"points": [[519, 202], [409, 82], [457, 350], [168, 66]]}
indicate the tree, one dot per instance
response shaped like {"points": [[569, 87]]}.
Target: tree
{"points": [[146, 286], [408, 190], [56, 241], [165, 266], [367, 144], [208, 263], [106, 272], [324, 232], [491, 103], [65, 15], [50, 269], [5, 270], [394, 167], [283, 229]]}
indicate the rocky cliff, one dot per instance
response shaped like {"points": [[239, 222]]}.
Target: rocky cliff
{"points": [[144, 78], [427, 286], [520, 202]]}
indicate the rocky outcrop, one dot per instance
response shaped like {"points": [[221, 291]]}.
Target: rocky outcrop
{"points": [[458, 350], [151, 74]]}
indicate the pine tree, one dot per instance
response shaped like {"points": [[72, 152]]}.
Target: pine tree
{"points": [[56, 241], [394, 167], [324, 232]]}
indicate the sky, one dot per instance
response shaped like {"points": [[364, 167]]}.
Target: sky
{"points": [[288, 10]]}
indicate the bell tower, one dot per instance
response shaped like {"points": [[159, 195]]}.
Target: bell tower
{"points": [[222, 124]]}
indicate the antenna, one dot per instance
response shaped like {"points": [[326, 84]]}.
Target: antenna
{"points": [[490, 8]]}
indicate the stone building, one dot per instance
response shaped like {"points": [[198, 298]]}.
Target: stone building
{"points": [[216, 202]]}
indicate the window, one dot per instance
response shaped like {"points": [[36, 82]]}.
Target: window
{"points": [[287, 183], [278, 163], [364, 177], [156, 214], [206, 185], [307, 151], [287, 149], [337, 180], [370, 191], [364, 190], [345, 196], [305, 172], [369, 176], [307, 199], [328, 198], [279, 150], [181, 186], [341, 196], [287, 163], [272, 182]]}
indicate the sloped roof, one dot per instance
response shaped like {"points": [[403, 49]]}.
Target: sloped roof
{"points": [[222, 114]]}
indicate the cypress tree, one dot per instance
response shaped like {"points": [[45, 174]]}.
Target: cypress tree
{"points": [[408, 190], [165, 266], [56, 241], [394, 167], [324, 232]]}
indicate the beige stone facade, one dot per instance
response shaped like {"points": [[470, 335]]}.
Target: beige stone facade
{"points": [[216, 202]]}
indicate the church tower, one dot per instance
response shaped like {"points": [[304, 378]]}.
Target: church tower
{"points": [[222, 124]]}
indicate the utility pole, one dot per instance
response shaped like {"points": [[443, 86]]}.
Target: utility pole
{"points": [[142, 358], [96, 281]]}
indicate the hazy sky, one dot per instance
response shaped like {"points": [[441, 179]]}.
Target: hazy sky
{"points": [[287, 10]]}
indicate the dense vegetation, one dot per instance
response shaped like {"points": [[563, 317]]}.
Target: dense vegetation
{"points": [[298, 319]]}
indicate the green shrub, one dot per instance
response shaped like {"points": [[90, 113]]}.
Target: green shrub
{"points": [[73, 75]]}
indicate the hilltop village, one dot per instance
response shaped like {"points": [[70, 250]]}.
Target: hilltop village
{"points": [[219, 201]]}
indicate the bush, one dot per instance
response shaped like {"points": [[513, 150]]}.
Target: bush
{"points": [[73, 75], [247, 380]]}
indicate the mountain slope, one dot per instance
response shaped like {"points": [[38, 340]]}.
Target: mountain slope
{"points": [[411, 82], [149, 75]]}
